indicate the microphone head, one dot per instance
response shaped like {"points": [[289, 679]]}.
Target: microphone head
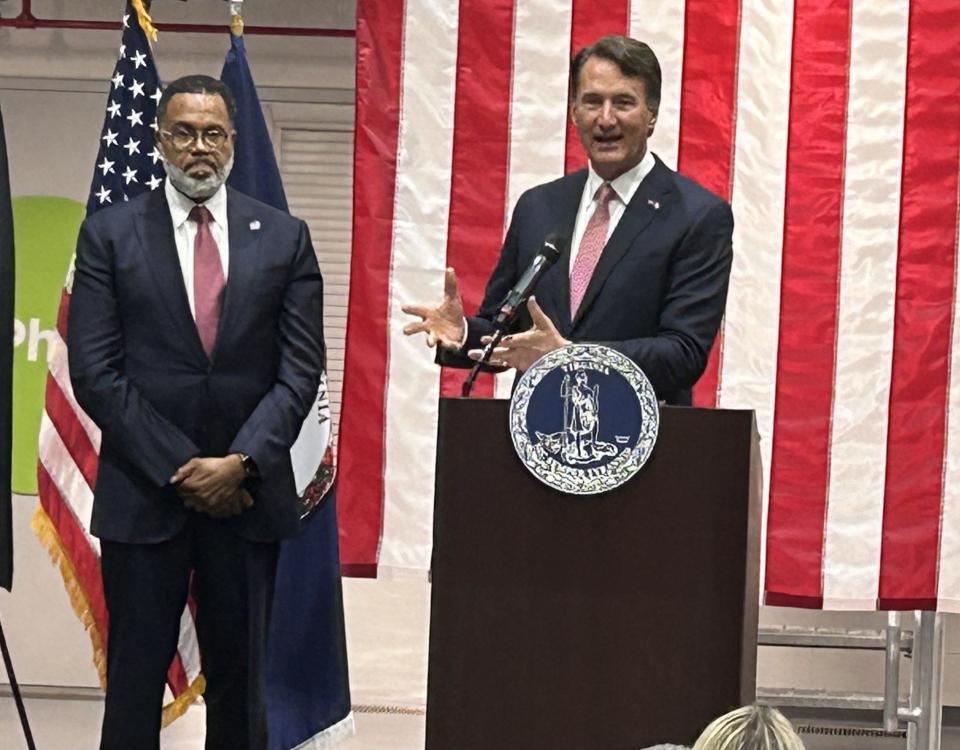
{"points": [[553, 246]]}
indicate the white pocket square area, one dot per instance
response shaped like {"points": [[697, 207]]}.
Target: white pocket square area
{"points": [[254, 226]]}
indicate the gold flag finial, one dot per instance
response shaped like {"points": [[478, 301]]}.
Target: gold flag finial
{"points": [[236, 17], [146, 23]]}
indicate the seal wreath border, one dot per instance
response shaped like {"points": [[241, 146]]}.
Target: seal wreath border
{"points": [[570, 479]]}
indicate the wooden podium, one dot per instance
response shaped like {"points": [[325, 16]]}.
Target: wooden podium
{"points": [[603, 622]]}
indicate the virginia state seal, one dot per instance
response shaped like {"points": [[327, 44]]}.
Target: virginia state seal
{"points": [[584, 419]]}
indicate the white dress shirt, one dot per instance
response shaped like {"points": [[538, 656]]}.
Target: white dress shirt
{"points": [[185, 232], [624, 188]]}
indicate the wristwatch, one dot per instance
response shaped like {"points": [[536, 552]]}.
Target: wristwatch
{"points": [[249, 466]]}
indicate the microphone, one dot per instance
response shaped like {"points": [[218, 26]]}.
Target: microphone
{"points": [[553, 247]]}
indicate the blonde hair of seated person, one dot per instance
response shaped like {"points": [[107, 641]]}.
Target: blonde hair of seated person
{"points": [[754, 727]]}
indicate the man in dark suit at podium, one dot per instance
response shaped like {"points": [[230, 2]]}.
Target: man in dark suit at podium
{"points": [[649, 254], [196, 345]]}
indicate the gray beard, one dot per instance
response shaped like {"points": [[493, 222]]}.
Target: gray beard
{"points": [[191, 186]]}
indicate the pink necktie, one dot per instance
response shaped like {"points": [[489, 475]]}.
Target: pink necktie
{"points": [[207, 279], [591, 245]]}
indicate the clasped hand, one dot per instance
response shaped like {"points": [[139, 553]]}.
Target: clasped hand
{"points": [[213, 486]]}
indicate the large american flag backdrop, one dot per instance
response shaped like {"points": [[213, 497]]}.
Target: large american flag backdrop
{"points": [[832, 127]]}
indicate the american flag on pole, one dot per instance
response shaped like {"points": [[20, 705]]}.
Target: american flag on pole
{"points": [[127, 164], [832, 126]]}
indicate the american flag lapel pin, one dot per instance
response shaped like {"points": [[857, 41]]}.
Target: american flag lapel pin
{"points": [[254, 226]]}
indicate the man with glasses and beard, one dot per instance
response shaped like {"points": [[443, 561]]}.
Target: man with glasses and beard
{"points": [[196, 345]]}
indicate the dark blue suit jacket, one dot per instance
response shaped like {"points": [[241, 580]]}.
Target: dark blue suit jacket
{"points": [[139, 370], [659, 290]]}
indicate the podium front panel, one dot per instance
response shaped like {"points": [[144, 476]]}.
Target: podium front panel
{"points": [[604, 622]]}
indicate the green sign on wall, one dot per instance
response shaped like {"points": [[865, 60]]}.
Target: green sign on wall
{"points": [[45, 233]]}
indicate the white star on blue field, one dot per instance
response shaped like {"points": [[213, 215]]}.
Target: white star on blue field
{"points": [[128, 162]]}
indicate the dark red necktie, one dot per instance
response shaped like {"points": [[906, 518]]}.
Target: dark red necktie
{"points": [[208, 280]]}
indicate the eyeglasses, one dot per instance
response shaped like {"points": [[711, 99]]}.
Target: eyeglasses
{"points": [[183, 137]]}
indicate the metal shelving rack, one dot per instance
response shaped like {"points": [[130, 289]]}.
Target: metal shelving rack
{"points": [[920, 640]]}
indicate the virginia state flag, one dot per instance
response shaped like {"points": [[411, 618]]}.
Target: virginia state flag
{"points": [[308, 694]]}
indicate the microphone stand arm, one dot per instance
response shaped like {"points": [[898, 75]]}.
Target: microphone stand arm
{"points": [[484, 359], [515, 298]]}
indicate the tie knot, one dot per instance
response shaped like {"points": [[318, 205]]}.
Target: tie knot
{"points": [[200, 214], [605, 193]]}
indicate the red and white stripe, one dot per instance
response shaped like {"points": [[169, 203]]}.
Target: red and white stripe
{"points": [[832, 129], [66, 472], [864, 333], [750, 337]]}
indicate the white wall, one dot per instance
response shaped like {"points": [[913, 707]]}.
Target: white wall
{"points": [[296, 62]]}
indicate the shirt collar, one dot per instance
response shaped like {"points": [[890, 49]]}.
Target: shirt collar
{"points": [[626, 184], [180, 205]]}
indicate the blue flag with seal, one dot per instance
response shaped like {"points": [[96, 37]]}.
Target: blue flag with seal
{"points": [[308, 693]]}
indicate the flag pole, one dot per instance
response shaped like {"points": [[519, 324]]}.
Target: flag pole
{"points": [[15, 689], [8, 265], [236, 17]]}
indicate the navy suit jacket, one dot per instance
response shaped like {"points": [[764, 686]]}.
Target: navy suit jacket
{"points": [[658, 291], [139, 370]]}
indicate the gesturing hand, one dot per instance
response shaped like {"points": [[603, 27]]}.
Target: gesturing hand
{"points": [[521, 350], [442, 323]]}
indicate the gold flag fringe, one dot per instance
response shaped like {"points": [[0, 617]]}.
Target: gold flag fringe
{"points": [[47, 533], [173, 711], [146, 23]]}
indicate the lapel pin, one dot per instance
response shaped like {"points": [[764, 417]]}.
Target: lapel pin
{"points": [[655, 205], [254, 226]]}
